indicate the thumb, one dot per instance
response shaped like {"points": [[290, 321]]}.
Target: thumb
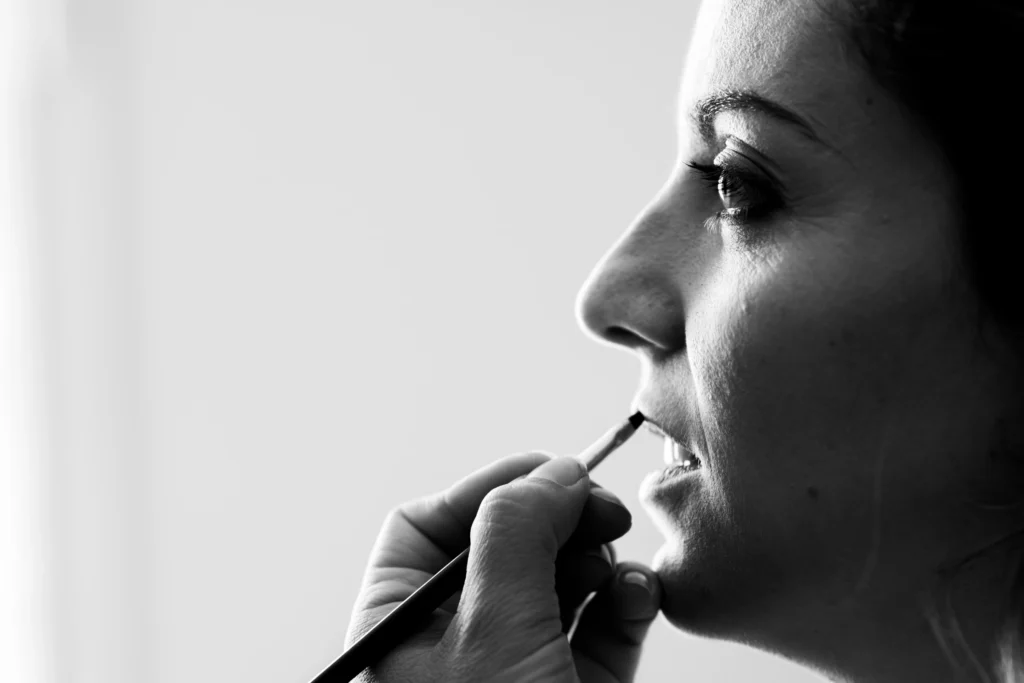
{"points": [[508, 602], [610, 633]]}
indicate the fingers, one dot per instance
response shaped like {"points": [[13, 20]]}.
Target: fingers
{"points": [[421, 536], [578, 573], [509, 594], [588, 559], [611, 629], [441, 522], [604, 519]]}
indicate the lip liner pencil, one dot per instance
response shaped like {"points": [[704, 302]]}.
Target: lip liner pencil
{"points": [[402, 621]]}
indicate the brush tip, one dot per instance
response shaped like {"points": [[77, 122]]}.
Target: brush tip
{"points": [[636, 419]]}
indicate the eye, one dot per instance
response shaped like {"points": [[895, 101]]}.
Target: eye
{"points": [[746, 195]]}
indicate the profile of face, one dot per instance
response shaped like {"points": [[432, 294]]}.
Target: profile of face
{"points": [[795, 294]]}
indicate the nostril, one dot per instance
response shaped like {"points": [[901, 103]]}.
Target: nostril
{"points": [[632, 307], [620, 335]]}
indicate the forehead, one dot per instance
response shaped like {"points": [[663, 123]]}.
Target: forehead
{"points": [[793, 52]]}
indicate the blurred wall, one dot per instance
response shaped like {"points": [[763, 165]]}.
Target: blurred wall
{"points": [[301, 260], [24, 628]]}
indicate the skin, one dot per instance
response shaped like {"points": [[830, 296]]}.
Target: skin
{"points": [[828, 363]]}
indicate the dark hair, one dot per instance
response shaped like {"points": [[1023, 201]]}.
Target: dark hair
{"points": [[948, 63], [954, 67]]}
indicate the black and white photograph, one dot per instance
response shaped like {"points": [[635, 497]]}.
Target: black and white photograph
{"points": [[494, 341]]}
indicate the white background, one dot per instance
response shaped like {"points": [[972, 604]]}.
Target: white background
{"points": [[283, 264]]}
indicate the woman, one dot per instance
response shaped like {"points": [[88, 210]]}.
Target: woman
{"points": [[823, 299]]}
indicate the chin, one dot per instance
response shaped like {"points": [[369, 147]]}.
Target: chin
{"points": [[710, 597]]}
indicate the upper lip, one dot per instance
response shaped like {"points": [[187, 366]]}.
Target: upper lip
{"points": [[654, 426]]}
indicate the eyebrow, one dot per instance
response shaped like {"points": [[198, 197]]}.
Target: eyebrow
{"points": [[746, 100]]}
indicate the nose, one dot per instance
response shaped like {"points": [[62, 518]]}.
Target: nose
{"points": [[632, 298]]}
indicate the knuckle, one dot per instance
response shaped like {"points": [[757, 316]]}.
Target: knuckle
{"points": [[415, 506], [504, 508], [521, 494], [503, 501], [401, 515], [397, 515], [391, 520], [394, 514]]}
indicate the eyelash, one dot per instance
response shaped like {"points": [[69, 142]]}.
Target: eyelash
{"points": [[760, 195]]}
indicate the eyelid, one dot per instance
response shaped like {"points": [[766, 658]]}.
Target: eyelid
{"points": [[741, 164], [744, 150], [758, 193]]}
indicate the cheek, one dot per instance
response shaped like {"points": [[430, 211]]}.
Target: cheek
{"points": [[820, 380], [792, 375], [790, 389]]}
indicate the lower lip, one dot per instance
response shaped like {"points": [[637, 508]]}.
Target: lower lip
{"points": [[668, 483]]}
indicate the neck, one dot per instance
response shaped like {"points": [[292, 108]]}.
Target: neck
{"points": [[943, 624], [944, 627]]}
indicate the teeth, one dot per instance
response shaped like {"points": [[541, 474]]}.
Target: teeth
{"points": [[674, 456]]}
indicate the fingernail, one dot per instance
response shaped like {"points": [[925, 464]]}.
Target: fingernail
{"points": [[605, 494], [631, 603], [565, 471], [637, 579]]}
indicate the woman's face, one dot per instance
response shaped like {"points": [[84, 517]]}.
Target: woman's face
{"points": [[805, 330]]}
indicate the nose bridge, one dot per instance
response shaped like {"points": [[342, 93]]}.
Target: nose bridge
{"points": [[632, 297]]}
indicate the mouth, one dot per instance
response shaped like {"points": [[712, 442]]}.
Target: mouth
{"points": [[676, 456]]}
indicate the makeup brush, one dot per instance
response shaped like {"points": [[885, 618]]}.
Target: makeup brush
{"points": [[405, 619]]}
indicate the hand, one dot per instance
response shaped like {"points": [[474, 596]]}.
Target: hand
{"points": [[538, 549]]}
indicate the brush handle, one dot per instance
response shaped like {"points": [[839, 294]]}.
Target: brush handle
{"points": [[399, 624]]}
